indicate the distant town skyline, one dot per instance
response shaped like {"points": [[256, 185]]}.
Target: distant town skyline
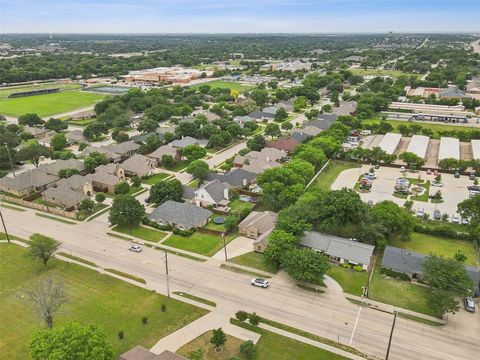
{"points": [[241, 16]]}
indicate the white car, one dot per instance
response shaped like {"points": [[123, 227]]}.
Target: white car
{"points": [[456, 219], [436, 183], [465, 221], [259, 282], [420, 212], [135, 248]]}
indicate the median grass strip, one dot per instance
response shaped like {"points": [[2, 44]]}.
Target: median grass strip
{"points": [[419, 319], [195, 298], [161, 248], [311, 289], [125, 275], [12, 207], [243, 271], [55, 218], [76, 258]]}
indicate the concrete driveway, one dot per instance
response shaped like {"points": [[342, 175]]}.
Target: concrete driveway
{"points": [[238, 246]]}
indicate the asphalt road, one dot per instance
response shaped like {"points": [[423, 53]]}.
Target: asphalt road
{"points": [[329, 315]]}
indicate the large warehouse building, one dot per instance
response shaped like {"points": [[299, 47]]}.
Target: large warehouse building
{"points": [[449, 148], [390, 142], [476, 149], [418, 145]]}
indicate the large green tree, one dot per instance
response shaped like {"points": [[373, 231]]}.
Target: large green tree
{"points": [[33, 152], [412, 160], [392, 219], [43, 247], [279, 243], [58, 142], [95, 159], [166, 190], [126, 210], [194, 152], [341, 207], [30, 120], [305, 265], [198, 169]]}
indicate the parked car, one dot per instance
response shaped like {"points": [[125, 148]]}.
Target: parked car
{"points": [[370, 203], [437, 215], [435, 172], [455, 219], [429, 171], [473, 193], [436, 183], [147, 200], [370, 176], [472, 176], [366, 132], [456, 175], [402, 168], [420, 212], [377, 166], [135, 248], [469, 304], [259, 282], [465, 221], [473, 187]]}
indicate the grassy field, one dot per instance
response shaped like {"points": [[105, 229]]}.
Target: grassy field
{"points": [[142, 232], [5, 91], [254, 260], [94, 298], [203, 244], [328, 176], [351, 281], [426, 244], [393, 73], [434, 127], [223, 84], [155, 178], [49, 104]]}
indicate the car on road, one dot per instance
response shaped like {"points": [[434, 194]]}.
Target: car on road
{"points": [[437, 215], [259, 282], [135, 248], [472, 176], [455, 219], [420, 212], [469, 304], [436, 183]]}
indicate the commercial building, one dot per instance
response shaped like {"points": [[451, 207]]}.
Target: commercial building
{"points": [[390, 142], [165, 74], [418, 145], [449, 148], [476, 149]]}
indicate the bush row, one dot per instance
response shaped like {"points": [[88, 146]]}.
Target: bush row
{"points": [[441, 230]]}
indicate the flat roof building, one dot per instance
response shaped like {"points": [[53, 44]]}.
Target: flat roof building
{"points": [[390, 142], [476, 149], [418, 145], [449, 148]]}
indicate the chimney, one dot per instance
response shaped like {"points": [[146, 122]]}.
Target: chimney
{"points": [[244, 182], [267, 159], [226, 195]]}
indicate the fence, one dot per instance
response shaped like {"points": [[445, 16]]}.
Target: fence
{"points": [[54, 211]]}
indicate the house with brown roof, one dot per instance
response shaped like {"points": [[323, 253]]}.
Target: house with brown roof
{"points": [[140, 353], [138, 165], [164, 150], [258, 225], [285, 143], [26, 183], [111, 155], [55, 167], [106, 177], [259, 161], [70, 192]]}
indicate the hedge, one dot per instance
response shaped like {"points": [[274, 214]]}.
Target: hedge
{"points": [[443, 231], [395, 274]]}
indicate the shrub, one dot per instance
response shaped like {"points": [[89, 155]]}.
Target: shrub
{"points": [[147, 221], [164, 308], [248, 350], [254, 319], [144, 320], [121, 335], [121, 188], [241, 315], [100, 197], [346, 265], [136, 181], [358, 268], [184, 233], [395, 274]]}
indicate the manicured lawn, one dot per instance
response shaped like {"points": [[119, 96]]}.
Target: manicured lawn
{"points": [[98, 207], [212, 226], [5, 91], [424, 184], [229, 350], [255, 260], [328, 176], [350, 280], [155, 178], [194, 184], [237, 206], [131, 191], [94, 298], [399, 293], [447, 247], [49, 104], [224, 84], [203, 244], [142, 232]]}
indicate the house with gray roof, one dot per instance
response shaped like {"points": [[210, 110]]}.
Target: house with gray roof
{"points": [[55, 167], [164, 150], [339, 249], [186, 141], [410, 263], [162, 130], [241, 120], [138, 165], [180, 215], [124, 149], [323, 121], [261, 115], [75, 136], [26, 183], [213, 193], [345, 108], [258, 161], [111, 155], [452, 92], [236, 178]]}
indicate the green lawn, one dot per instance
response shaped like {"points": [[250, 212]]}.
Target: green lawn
{"points": [[224, 84], [211, 224], [255, 260], [203, 244], [399, 293], [132, 190], [350, 280], [237, 206], [5, 91], [156, 178], [49, 104], [193, 184], [328, 176], [94, 298], [424, 184], [142, 232], [426, 244]]}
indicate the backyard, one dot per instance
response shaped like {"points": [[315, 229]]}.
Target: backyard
{"points": [[90, 302], [238, 206], [142, 232], [203, 244], [328, 176]]}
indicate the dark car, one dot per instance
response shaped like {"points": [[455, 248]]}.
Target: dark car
{"points": [[472, 176], [473, 187], [437, 215]]}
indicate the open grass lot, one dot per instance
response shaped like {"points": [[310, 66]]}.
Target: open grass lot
{"points": [[399, 293], [255, 260], [432, 126], [328, 176], [426, 244], [203, 244], [350, 280], [6, 91], [142, 232], [94, 298], [155, 178], [49, 104], [223, 84], [376, 72]]}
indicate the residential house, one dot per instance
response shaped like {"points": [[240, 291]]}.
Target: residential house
{"points": [[186, 141], [299, 136], [323, 121], [213, 193], [106, 177], [75, 136], [36, 132], [138, 165], [241, 120], [69, 193], [410, 263], [162, 130], [354, 59], [339, 249], [55, 167], [261, 116], [164, 150], [111, 155], [124, 149], [258, 161], [236, 178], [143, 137], [345, 108], [473, 86], [26, 183], [180, 215], [284, 143], [286, 104], [306, 132], [257, 225], [140, 353]]}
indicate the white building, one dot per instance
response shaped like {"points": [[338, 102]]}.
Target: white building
{"points": [[449, 148], [418, 145], [390, 142]]}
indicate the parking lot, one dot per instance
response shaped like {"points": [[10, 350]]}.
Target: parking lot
{"points": [[453, 191]]}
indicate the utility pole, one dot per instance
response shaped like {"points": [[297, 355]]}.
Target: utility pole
{"points": [[224, 246], [5, 228], [391, 334], [166, 273]]}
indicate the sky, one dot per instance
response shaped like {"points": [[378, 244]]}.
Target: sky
{"points": [[238, 16]]}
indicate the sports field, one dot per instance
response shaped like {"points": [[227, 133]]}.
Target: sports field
{"points": [[224, 84], [7, 90], [49, 104]]}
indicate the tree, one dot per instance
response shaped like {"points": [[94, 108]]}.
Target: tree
{"points": [[33, 152], [86, 205], [95, 159], [120, 136], [286, 125], [100, 197], [281, 114], [412, 160], [48, 296], [126, 210], [94, 130], [198, 168], [147, 125], [248, 350], [121, 188], [194, 152], [66, 173], [341, 207], [256, 143], [230, 223], [272, 130], [166, 190], [30, 120], [43, 247], [56, 125], [234, 130], [70, 341], [392, 219], [218, 338], [58, 142], [300, 103], [329, 144], [470, 209], [136, 181], [306, 265], [279, 243], [313, 155], [260, 96], [460, 256]]}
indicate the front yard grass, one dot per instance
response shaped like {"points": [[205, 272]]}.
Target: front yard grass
{"points": [[350, 280], [330, 174], [94, 298], [155, 178], [447, 247], [203, 244], [254, 260], [141, 232]]}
